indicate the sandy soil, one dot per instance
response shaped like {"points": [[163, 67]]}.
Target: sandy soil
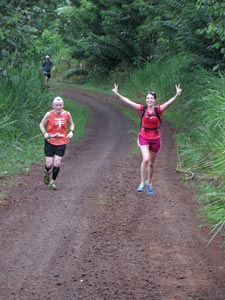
{"points": [[96, 238]]}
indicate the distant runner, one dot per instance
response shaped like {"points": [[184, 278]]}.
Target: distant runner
{"points": [[47, 66], [149, 135], [56, 138]]}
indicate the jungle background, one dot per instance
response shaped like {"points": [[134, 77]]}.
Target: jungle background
{"points": [[143, 45]]}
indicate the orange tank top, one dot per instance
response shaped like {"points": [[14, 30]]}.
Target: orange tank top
{"points": [[57, 128]]}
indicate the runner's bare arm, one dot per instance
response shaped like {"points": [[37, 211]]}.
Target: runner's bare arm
{"points": [[124, 99], [165, 105], [44, 121], [72, 127]]}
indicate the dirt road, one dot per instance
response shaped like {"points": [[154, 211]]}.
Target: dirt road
{"points": [[96, 238]]}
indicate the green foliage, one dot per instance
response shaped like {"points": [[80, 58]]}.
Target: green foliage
{"points": [[215, 27], [116, 35], [106, 34], [20, 27], [109, 36], [22, 102], [78, 75], [22, 105], [203, 112]]}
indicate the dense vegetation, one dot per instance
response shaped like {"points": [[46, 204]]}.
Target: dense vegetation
{"points": [[144, 44]]}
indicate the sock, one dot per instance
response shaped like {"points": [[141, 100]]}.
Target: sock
{"points": [[47, 169], [55, 172]]}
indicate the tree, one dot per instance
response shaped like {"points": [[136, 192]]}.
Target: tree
{"points": [[22, 22], [214, 30]]}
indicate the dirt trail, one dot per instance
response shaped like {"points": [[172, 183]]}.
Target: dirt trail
{"points": [[96, 238]]}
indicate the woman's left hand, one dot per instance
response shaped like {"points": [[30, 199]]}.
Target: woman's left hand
{"points": [[115, 90]]}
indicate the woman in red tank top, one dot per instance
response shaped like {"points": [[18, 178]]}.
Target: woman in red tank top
{"points": [[149, 135]]}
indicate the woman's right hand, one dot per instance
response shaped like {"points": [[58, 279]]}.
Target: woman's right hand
{"points": [[178, 89], [46, 135]]}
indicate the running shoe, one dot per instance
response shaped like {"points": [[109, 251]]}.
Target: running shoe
{"points": [[47, 178], [149, 188], [141, 188], [52, 186]]}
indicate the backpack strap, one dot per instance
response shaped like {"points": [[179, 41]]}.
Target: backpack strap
{"points": [[157, 113], [143, 113]]}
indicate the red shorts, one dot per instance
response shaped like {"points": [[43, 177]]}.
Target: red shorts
{"points": [[154, 144]]}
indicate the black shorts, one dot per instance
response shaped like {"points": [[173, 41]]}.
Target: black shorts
{"points": [[51, 150], [47, 75]]}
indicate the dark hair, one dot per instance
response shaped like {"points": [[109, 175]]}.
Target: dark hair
{"points": [[152, 93]]}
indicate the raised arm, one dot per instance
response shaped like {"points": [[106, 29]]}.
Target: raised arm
{"points": [[124, 99], [165, 105]]}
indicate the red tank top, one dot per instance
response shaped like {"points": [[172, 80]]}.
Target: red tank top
{"points": [[150, 121], [57, 127]]}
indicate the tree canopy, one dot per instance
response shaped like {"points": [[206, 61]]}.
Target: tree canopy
{"points": [[112, 35]]}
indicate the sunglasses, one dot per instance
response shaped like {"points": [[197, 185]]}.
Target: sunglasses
{"points": [[151, 93]]}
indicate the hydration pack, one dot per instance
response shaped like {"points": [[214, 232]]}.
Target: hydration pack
{"points": [[156, 114]]}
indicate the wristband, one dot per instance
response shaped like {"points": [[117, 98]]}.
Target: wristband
{"points": [[48, 137]]}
